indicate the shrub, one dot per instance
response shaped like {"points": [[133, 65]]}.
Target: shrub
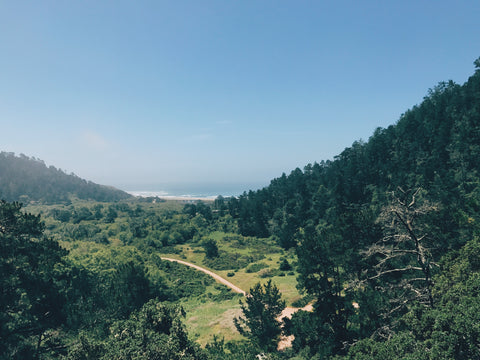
{"points": [[265, 273], [226, 261], [253, 268], [285, 265], [211, 248]]}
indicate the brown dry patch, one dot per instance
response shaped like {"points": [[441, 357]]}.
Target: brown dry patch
{"points": [[286, 341]]}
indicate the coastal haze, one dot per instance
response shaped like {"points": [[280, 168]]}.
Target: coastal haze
{"points": [[138, 93], [306, 180], [191, 191]]}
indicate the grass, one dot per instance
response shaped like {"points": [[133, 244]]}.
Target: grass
{"points": [[286, 284], [207, 314], [243, 279], [208, 318]]}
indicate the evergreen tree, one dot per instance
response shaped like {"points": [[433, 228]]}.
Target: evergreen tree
{"points": [[261, 310], [31, 299]]}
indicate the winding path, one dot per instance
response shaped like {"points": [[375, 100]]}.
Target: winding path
{"points": [[210, 273], [287, 312], [285, 341]]}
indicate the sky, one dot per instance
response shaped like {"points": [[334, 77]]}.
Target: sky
{"points": [[145, 94]]}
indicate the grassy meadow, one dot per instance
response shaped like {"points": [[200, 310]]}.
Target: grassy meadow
{"points": [[99, 243]]}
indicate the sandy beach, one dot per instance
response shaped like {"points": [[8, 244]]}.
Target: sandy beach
{"points": [[187, 198], [162, 195]]}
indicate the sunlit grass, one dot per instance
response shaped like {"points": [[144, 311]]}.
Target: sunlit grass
{"points": [[241, 278], [206, 318]]}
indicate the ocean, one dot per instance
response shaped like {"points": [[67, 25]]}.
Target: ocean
{"points": [[207, 191]]}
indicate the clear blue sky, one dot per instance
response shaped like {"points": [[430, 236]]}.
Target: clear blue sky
{"points": [[131, 93]]}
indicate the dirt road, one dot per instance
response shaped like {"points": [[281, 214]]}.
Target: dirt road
{"points": [[287, 312], [285, 341], [210, 273]]}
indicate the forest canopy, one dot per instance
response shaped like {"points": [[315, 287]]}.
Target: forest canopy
{"points": [[28, 179], [385, 241]]}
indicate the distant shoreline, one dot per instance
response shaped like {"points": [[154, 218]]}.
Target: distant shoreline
{"points": [[165, 196], [187, 198], [193, 191]]}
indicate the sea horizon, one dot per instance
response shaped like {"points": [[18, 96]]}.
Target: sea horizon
{"points": [[190, 191]]}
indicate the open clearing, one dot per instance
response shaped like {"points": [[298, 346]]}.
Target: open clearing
{"points": [[207, 319]]}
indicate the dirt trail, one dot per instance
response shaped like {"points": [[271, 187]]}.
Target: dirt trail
{"points": [[289, 311], [285, 341], [208, 272]]}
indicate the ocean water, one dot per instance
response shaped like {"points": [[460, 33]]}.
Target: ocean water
{"points": [[208, 191]]}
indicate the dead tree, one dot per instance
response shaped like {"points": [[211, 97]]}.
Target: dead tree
{"points": [[402, 258]]}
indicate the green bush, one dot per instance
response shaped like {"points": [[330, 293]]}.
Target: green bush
{"points": [[226, 261], [264, 273], [285, 265], [256, 267]]}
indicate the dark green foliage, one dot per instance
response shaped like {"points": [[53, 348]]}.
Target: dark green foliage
{"points": [[82, 214], [199, 208], [320, 255], [62, 215], [112, 214], [450, 330], [85, 348], [183, 281], [211, 248], [385, 282], [433, 146], [285, 265], [153, 332], [259, 323], [28, 179], [311, 333], [48, 299], [333, 213], [401, 346], [256, 267], [227, 261], [31, 298], [219, 350], [130, 289]]}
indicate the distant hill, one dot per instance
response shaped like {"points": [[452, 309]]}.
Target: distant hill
{"points": [[386, 223], [28, 179], [434, 146]]}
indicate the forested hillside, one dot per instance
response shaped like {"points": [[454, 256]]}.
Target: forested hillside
{"points": [[383, 241], [434, 146], [378, 230], [29, 179]]}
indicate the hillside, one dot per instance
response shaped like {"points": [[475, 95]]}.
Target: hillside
{"points": [[383, 226], [383, 242], [434, 146], [28, 179]]}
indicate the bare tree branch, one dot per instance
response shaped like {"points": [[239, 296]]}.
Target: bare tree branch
{"points": [[403, 250], [383, 273]]}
